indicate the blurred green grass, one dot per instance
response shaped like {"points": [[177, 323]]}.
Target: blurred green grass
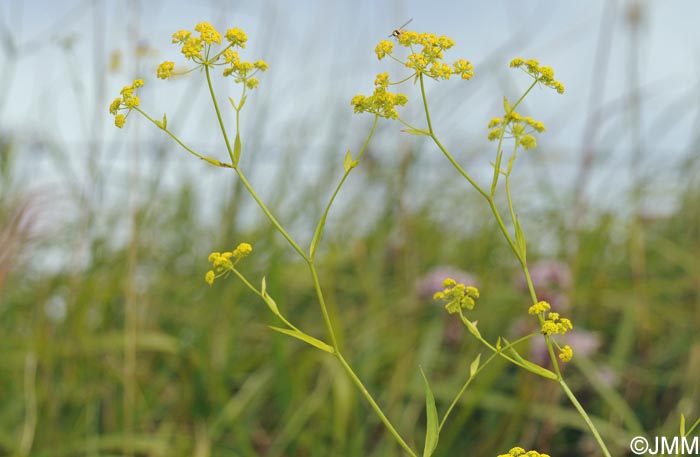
{"points": [[133, 354], [124, 350]]}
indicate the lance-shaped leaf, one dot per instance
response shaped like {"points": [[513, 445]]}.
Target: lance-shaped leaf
{"points": [[520, 239], [236, 150], [315, 342], [269, 301], [348, 163], [474, 367], [432, 427]]}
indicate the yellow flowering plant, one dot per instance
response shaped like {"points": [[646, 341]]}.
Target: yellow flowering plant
{"points": [[425, 60], [206, 49]]}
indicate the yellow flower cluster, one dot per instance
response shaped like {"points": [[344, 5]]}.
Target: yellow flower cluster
{"points": [[382, 102], [566, 353], [539, 308], [165, 70], [457, 296], [192, 46], [519, 127], [207, 33], [242, 250], [127, 101], [223, 262], [555, 324], [242, 70], [429, 60], [236, 37], [520, 452], [543, 74], [197, 49], [384, 48]]}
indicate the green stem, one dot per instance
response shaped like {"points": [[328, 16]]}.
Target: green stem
{"points": [[178, 141], [269, 215], [240, 174], [308, 258], [355, 379], [322, 222], [522, 97], [454, 163], [442, 148], [509, 197], [410, 126], [522, 260], [528, 280], [499, 150], [502, 226], [259, 294], [497, 162], [490, 199], [358, 383], [496, 353], [218, 115], [324, 308], [583, 414]]}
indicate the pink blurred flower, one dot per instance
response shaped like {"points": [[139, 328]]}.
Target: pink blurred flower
{"points": [[552, 280], [432, 281]]}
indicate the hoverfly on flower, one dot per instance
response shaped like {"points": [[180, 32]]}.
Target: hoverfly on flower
{"points": [[397, 32]]}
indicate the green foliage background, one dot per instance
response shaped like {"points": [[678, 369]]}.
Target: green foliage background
{"points": [[112, 344]]}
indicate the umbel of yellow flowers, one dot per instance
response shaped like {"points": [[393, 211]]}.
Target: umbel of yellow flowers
{"points": [[224, 262], [199, 50]]}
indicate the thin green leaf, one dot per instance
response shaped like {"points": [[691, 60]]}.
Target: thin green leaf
{"points": [[506, 105], [268, 300], [233, 103], [513, 353], [212, 161], [529, 366], [692, 427], [236, 150], [315, 342], [682, 425], [432, 427], [165, 121], [474, 366], [347, 162], [471, 326], [511, 160], [416, 132], [520, 239], [538, 370]]}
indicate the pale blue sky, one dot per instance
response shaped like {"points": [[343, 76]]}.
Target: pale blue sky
{"points": [[321, 54]]}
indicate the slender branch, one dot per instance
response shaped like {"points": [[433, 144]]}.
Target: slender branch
{"points": [[322, 222], [490, 199], [358, 383], [472, 377], [442, 148], [218, 114], [499, 150], [178, 141], [269, 215], [585, 416]]}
